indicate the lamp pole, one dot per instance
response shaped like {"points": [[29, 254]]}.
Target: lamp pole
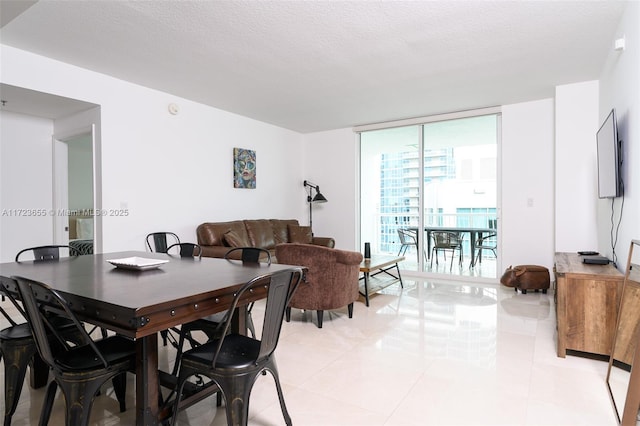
{"points": [[319, 198]]}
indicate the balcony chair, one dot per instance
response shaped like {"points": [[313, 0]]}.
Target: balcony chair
{"points": [[234, 361], [484, 242], [409, 238], [446, 241], [79, 370]]}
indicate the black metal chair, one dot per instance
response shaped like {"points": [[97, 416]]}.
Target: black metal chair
{"points": [[185, 250], [446, 241], [250, 255], [79, 370], [50, 252], [159, 242], [18, 349], [234, 361], [212, 325]]}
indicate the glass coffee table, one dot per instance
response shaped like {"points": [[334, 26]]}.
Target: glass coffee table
{"points": [[378, 264]]}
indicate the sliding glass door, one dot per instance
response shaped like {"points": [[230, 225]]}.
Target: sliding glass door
{"points": [[418, 181]]}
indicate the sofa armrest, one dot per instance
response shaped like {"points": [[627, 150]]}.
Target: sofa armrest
{"points": [[214, 251], [324, 241]]}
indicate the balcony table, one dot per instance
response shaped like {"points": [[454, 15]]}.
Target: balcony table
{"points": [[139, 304], [474, 235]]}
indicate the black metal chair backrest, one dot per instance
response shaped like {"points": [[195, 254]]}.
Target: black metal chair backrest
{"points": [[50, 252], [161, 241], [35, 295], [250, 254], [186, 249], [4, 283], [280, 287]]}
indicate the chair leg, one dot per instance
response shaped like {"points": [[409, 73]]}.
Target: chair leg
{"points": [[319, 315], [350, 309], [237, 403], [120, 389], [16, 360], [39, 376], [287, 313], [79, 399], [274, 372], [47, 403]]}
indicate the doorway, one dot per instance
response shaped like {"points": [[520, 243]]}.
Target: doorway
{"points": [[73, 193], [438, 176]]}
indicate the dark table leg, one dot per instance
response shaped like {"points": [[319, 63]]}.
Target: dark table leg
{"points": [[147, 381], [366, 288], [399, 276]]}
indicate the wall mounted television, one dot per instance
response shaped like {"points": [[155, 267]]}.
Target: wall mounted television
{"points": [[609, 160]]}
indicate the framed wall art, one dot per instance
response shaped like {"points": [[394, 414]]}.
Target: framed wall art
{"points": [[244, 168]]}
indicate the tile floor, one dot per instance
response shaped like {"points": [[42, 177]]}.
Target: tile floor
{"points": [[432, 354]]}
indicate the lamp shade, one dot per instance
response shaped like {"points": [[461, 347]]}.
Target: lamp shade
{"points": [[319, 198]]}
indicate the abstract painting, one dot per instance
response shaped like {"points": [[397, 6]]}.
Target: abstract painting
{"points": [[244, 168]]}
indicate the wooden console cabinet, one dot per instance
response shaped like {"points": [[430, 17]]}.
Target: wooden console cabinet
{"points": [[587, 301]]}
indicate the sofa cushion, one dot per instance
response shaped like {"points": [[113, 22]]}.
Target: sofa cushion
{"points": [[281, 230], [234, 240], [260, 233], [300, 234], [212, 233]]}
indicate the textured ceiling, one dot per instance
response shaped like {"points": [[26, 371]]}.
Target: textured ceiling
{"points": [[320, 65]]}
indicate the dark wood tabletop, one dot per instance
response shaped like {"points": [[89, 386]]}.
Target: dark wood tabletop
{"points": [[138, 304]]}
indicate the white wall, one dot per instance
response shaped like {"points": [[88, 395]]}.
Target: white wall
{"points": [[25, 196], [527, 214], [620, 89], [332, 162], [172, 172], [576, 124]]}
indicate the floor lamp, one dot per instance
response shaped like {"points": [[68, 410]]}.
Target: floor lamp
{"points": [[318, 198]]}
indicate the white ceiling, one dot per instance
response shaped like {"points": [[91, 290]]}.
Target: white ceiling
{"points": [[320, 65]]}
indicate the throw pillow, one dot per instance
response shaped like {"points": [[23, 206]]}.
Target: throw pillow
{"points": [[300, 234], [234, 240]]}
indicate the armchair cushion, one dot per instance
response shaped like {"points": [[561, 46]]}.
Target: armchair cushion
{"points": [[300, 234]]}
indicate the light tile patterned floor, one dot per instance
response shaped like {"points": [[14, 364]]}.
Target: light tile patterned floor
{"points": [[432, 354]]}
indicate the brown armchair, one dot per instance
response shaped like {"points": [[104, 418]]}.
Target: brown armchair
{"points": [[331, 280]]}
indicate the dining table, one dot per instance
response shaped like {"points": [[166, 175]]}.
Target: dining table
{"points": [[140, 301]]}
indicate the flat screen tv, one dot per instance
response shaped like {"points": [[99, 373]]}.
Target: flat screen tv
{"points": [[608, 158]]}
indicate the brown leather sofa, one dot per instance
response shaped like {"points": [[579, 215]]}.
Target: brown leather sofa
{"points": [[216, 238], [331, 279]]}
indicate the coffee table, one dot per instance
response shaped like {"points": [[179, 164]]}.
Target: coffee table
{"points": [[378, 264]]}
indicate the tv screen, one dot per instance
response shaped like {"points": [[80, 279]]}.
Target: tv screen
{"points": [[608, 158]]}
